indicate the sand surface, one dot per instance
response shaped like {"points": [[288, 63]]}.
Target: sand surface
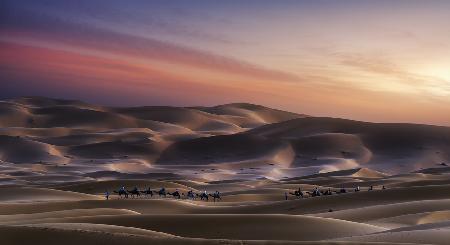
{"points": [[58, 157]]}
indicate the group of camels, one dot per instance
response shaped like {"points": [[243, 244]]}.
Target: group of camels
{"points": [[122, 192], [204, 196], [316, 192]]}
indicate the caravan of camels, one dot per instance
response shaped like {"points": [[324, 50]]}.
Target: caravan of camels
{"points": [[204, 196]]}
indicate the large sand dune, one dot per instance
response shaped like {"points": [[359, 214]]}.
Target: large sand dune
{"points": [[59, 157]]}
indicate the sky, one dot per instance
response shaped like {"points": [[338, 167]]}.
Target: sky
{"points": [[380, 61]]}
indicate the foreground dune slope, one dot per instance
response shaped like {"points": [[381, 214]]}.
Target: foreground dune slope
{"points": [[106, 234], [246, 227], [437, 236]]}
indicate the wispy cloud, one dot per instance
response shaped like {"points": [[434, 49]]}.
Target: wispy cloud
{"points": [[53, 30], [394, 74]]}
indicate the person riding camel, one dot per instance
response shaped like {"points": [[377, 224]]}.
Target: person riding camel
{"points": [[190, 194], [316, 191]]}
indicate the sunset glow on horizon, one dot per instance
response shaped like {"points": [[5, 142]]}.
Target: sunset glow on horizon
{"points": [[381, 61]]}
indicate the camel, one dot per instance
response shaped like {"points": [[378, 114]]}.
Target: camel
{"points": [[147, 192], [203, 195], [175, 194], [216, 195], [191, 195], [314, 193], [122, 192], [162, 192], [134, 192], [327, 192], [298, 194]]}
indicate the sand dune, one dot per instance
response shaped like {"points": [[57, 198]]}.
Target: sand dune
{"points": [[36, 217], [249, 115], [195, 136], [59, 157], [411, 220], [438, 236], [82, 234], [29, 194], [189, 118], [106, 234], [22, 150], [394, 211], [246, 227], [357, 172], [390, 145], [145, 150], [220, 148]]}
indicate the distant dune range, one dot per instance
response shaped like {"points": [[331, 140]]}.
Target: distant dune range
{"points": [[58, 157], [213, 143]]}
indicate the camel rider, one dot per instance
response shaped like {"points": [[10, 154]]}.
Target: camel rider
{"points": [[122, 188], [357, 188], [316, 191], [135, 189]]}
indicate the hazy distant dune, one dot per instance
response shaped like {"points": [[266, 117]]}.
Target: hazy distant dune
{"points": [[246, 138], [393, 147], [250, 115], [21, 150]]}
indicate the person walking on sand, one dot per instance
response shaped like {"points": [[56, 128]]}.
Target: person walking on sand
{"points": [[285, 196], [107, 195]]}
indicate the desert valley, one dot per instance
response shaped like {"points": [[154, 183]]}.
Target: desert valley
{"points": [[58, 158]]}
